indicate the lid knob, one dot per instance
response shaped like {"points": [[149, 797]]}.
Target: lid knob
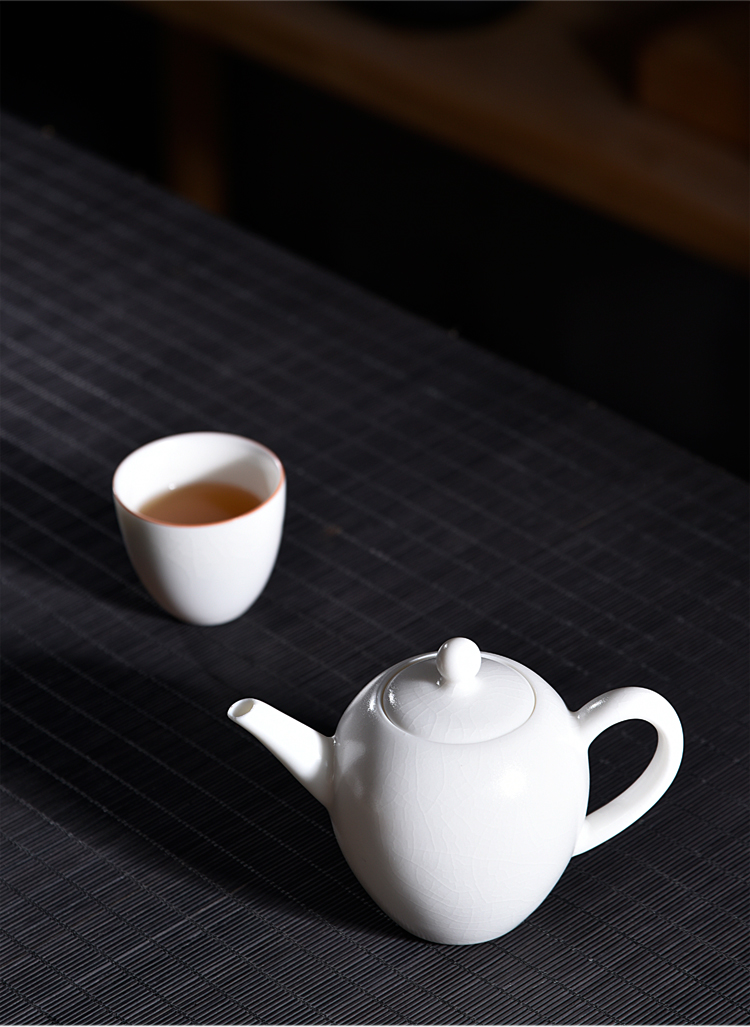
{"points": [[458, 660], [458, 695]]}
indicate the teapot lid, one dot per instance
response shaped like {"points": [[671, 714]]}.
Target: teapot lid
{"points": [[459, 695]]}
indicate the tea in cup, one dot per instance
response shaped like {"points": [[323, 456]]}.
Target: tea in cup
{"points": [[201, 515]]}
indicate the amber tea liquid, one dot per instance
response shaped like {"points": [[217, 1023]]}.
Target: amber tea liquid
{"points": [[202, 502]]}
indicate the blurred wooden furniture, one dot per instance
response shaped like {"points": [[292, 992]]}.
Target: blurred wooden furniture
{"points": [[531, 92], [696, 71], [194, 152]]}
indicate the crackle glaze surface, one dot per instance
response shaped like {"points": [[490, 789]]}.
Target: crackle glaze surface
{"points": [[205, 573], [458, 846], [457, 836]]}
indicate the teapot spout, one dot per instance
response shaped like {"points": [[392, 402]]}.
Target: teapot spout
{"points": [[303, 751]]}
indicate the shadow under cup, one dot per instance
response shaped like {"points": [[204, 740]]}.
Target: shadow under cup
{"points": [[202, 573]]}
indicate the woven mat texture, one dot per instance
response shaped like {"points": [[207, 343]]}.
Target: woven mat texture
{"points": [[159, 865]]}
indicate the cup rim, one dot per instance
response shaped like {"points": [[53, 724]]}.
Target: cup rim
{"points": [[203, 524]]}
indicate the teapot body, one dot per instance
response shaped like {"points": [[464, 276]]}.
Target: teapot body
{"points": [[458, 842]]}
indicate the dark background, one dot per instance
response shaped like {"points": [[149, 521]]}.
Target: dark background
{"points": [[643, 328]]}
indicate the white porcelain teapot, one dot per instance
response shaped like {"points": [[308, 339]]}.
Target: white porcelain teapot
{"points": [[457, 784]]}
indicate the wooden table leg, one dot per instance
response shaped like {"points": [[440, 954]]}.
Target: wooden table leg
{"points": [[195, 166]]}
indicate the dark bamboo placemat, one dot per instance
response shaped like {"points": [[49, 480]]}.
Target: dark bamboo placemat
{"points": [[159, 866]]}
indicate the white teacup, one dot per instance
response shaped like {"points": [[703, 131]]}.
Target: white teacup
{"points": [[207, 573]]}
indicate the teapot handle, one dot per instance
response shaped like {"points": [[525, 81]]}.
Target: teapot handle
{"points": [[611, 708]]}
